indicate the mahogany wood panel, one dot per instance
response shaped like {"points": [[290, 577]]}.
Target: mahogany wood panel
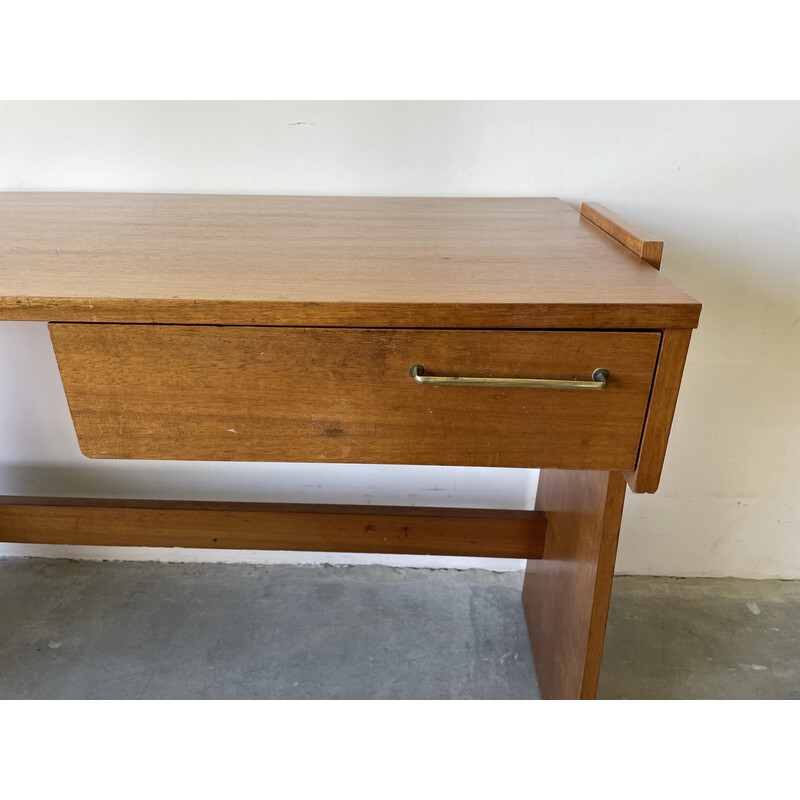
{"points": [[346, 396], [566, 594], [638, 241], [323, 261], [658, 423], [273, 526]]}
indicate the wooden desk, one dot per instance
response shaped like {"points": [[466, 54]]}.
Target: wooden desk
{"points": [[247, 328]]}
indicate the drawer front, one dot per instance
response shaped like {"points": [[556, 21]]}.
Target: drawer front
{"points": [[346, 395]]}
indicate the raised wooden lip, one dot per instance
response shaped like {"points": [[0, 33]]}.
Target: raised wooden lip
{"points": [[636, 239]]}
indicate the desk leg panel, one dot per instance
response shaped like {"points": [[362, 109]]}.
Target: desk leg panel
{"points": [[566, 594]]}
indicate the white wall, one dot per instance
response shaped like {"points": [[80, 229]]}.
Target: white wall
{"points": [[717, 181]]}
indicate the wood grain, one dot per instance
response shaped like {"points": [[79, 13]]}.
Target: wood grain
{"points": [[635, 239], [661, 410], [323, 261], [273, 526], [566, 594], [346, 396]]}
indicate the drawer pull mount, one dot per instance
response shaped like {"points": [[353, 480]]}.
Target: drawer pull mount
{"points": [[598, 381]]}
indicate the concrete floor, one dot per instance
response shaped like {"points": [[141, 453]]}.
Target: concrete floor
{"points": [[712, 638], [72, 629]]}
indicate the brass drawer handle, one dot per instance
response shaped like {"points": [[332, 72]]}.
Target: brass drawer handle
{"points": [[598, 381]]}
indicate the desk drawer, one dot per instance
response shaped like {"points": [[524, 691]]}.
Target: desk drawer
{"points": [[346, 395]]}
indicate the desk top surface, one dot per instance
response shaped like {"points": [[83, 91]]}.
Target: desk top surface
{"points": [[333, 261]]}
